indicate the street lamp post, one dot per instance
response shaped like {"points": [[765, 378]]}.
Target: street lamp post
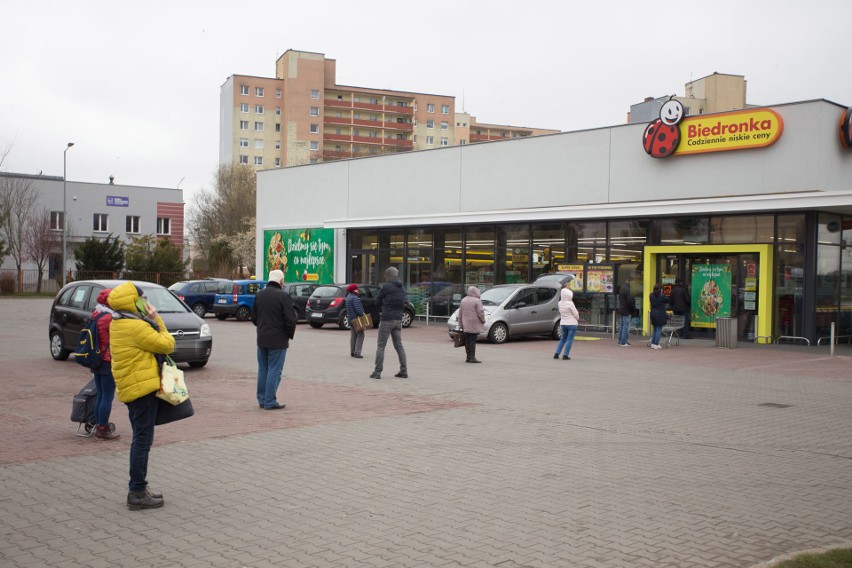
{"points": [[65, 213]]}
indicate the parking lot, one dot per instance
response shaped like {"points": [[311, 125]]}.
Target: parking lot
{"points": [[689, 456]]}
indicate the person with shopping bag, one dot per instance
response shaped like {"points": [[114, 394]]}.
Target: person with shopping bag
{"points": [[355, 313]]}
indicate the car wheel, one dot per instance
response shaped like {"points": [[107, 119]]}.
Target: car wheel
{"points": [[243, 314], [407, 318], [197, 364], [221, 317], [557, 331], [343, 322], [316, 324], [57, 351], [200, 310], [499, 333]]}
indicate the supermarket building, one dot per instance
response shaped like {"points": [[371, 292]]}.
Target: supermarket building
{"points": [[757, 222]]}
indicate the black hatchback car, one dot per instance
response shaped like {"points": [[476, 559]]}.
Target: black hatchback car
{"points": [[74, 303], [327, 305]]}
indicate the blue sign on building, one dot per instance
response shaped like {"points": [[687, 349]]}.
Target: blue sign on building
{"points": [[117, 201]]}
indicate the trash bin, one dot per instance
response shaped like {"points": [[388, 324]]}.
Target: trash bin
{"points": [[726, 333]]}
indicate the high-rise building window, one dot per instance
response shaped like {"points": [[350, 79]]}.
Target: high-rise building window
{"points": [[243, 159], [258, 160], [277, 162], [243, 142], [314, 111], [430, 124], [314, 93], [277, 127], [445, 141], [277, 111], [258, 143], [430, 107], [278, 144], [430, 140], [164, 226], [244, 89], [445, 109], [314, 128], [314, 145], [258, 109], [277, 93], [244, 125], [258, 91], [258, 126], [132, 224], [445, 125], [56, 220], [99, 222], [243, 107]]}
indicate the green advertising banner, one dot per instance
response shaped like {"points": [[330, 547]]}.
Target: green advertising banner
{"points": [[302, 254], [711, 294]]}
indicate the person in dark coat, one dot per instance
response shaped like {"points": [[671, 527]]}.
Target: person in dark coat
{"points": [[680, 306], [626, 308], [273, 316], [658, 302], [354, 310], [391, 301]]}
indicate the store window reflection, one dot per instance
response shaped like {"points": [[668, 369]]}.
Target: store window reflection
{"points": [[479, 257], [790, 276], [683, 231], [627, 240], [827, 297], [548, 248], [844, 324], [446, 291], [513, 254], [418, 266], [589, 238], [742, 229]]}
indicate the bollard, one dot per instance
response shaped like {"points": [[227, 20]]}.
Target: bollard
{"points": [[613, 324], [832, 339]]}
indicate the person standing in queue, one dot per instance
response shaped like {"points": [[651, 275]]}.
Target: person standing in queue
{"points": [[626, 309], [658, 302], [391, 302], [104, 381], [471, 322], [568, 321], [272, 314], [354, 310]]}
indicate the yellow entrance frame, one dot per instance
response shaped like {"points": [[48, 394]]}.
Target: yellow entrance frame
{"points": [[765, 253]]}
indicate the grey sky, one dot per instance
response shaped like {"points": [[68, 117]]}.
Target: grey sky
{"points": [[136, 84]]}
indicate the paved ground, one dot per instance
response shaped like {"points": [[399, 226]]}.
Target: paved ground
{"points": [[689, 456]]}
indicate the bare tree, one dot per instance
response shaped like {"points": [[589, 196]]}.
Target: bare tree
{"points": [[18, 198], [40, 241], [243, 246], [226, 209]]}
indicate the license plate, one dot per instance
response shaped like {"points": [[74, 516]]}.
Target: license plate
{"points": [[316, 315], [222, 301]]}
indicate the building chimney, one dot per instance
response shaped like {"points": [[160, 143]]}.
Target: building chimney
{"points": [[112, 180]]}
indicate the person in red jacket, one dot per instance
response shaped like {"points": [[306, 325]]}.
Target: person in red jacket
{"points": [[104, 381]]}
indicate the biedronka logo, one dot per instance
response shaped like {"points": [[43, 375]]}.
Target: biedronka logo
{"points": [[736, 130]]}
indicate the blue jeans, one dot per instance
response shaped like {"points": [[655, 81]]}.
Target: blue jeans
{"points": [[105, 387], [143, 413], [270, 363], [567, 339], [655, 334], [392, 329], [625, 329]]}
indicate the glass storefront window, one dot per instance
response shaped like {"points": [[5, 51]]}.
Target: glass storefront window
{"points": [[588, 240], [683, 231], [418, 262], [514, 254], [789, 289], [627, 240], [447, 271], [844, 321], [827, 287], [479, 256], [548, 248], [742, 229], [828, 229], [791, 229], [363, 240]]}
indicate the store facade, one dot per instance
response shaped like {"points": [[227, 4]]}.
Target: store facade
{"points": [[759, 232]]}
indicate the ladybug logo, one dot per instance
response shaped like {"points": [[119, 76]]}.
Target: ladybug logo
{"points": [[846, 128], [662, 135]]}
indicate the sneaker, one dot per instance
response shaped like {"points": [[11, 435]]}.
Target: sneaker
{"points": [[404, 375], [655, 347], [566, 358], [625, 345]]}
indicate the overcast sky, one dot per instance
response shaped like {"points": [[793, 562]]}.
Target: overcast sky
{"points": [[136, 84]]}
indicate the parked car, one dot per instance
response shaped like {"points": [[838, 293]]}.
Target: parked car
{"points": [[74, 303], [326, 305], [559, 277], [238, 301], [300, 292], [200, 295], [513, 310]]}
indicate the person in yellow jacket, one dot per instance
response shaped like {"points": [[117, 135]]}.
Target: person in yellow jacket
{"points": [[136, 337]]}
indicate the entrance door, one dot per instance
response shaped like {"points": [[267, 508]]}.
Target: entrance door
{"points": [[362, 267]]}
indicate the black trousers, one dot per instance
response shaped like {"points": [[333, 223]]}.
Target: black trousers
{"points": [[470, 345]]}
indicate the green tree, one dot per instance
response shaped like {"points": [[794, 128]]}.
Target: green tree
{"points": [[147, 255], [100, 255], [220, 257]]}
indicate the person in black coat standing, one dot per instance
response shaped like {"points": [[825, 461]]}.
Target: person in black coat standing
{"points": [[391, 301], [658, 302], [680, 306], [273, 316]]}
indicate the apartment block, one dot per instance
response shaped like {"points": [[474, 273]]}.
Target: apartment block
{"points": [[303, 116]]}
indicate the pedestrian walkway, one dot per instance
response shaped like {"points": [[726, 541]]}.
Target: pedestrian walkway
{"points": [[681, 457]]}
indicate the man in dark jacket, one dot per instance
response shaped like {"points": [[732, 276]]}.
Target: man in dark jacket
{"points": [[391, 301], [626, 309], [273, 316], [680, 306]]}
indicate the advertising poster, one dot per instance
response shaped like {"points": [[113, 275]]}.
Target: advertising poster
{"points": [[302, 254], [599, 279], [576, 285], [711, 294]]}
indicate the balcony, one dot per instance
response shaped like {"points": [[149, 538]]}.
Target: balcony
{"points": [[369, 123], [404, 126], [337, 137], [486, 138], [408, 111], [337, 103], [337, 120], [366, 106], [400, 144]]}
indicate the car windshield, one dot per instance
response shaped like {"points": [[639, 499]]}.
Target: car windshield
{"points": [[164, 301], [326, 292], [496, 296]]}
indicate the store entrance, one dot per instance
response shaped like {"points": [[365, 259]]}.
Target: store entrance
{"points": [[362, 267], [719, 285]]}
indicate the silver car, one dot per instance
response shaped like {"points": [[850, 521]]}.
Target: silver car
{"points": [[513, 310]]}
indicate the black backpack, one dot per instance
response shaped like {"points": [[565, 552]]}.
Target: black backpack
{"points": [[89, 352]]}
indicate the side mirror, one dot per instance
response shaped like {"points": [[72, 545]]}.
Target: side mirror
{"points": [[520, 305]]}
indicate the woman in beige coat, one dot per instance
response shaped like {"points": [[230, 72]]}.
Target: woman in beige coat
{"points": [[471, 322]]}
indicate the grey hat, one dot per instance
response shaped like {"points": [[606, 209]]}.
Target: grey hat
{"points": [[392, 272]]}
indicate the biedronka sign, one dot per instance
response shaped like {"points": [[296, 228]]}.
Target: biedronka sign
{"points": [[674, 133]]}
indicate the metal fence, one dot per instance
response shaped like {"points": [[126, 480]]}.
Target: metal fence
{"points": [[27, 281]]}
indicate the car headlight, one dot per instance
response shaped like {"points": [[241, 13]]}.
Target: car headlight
{"points": [[205, 330], [487, 316]]}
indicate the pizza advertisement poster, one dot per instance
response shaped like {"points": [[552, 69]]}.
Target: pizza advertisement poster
{"points": [[711, 294], [305, 255]]}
